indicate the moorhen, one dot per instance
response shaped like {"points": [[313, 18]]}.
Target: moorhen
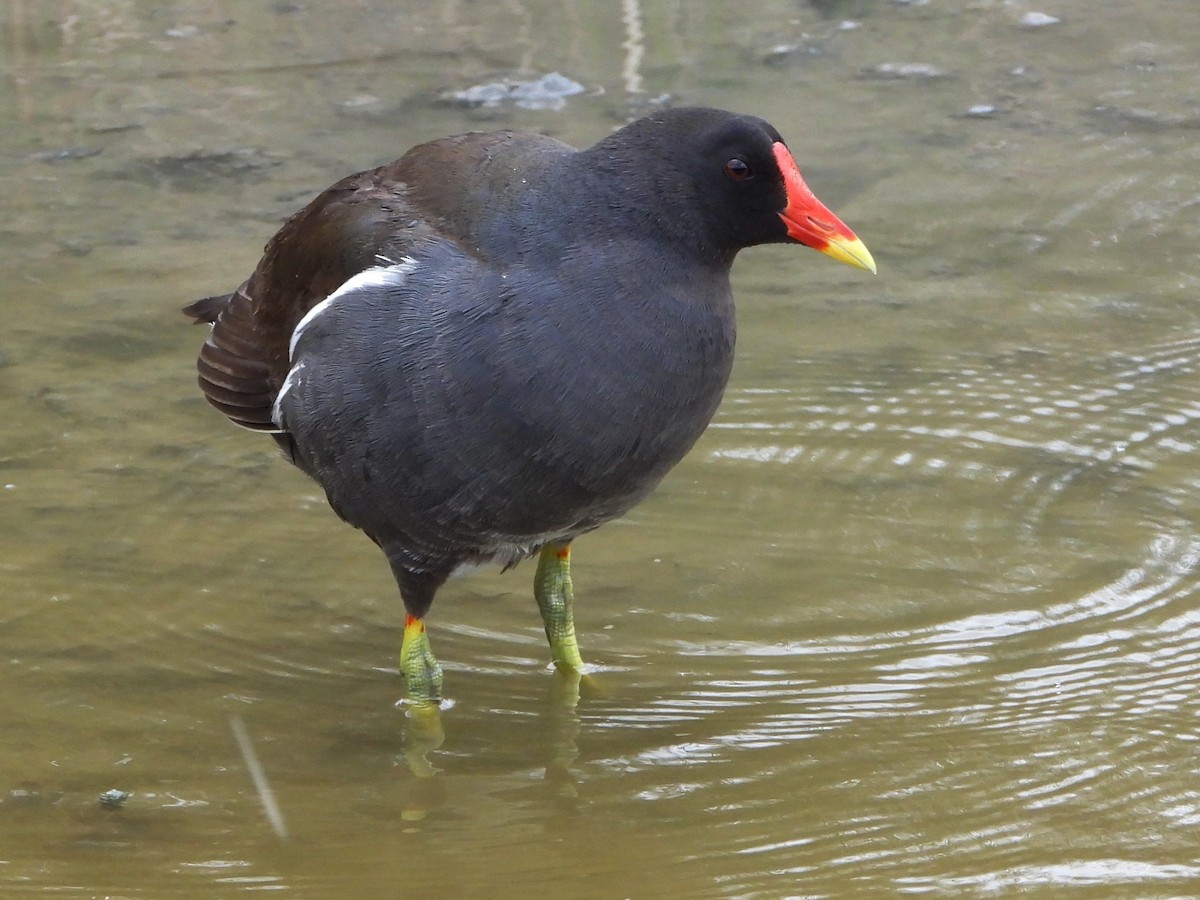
{"points": [[498, 342]]}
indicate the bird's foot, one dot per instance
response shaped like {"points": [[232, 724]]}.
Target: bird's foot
{"points": [[422, 674]]}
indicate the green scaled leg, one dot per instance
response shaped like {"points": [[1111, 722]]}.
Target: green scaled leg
{"points": [[552, 589], [422, 674]]}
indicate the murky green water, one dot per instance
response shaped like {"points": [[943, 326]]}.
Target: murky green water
{"points": [[918, 615]]}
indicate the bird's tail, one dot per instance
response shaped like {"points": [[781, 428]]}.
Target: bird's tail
{"points": [[233, 375]]}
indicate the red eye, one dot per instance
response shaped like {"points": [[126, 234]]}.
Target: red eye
{"points": [[738, 170]]}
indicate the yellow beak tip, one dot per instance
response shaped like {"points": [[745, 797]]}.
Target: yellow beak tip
{"points": [[852, 252]]}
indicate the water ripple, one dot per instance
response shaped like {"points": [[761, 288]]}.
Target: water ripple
{"points": [[1059, 691]]}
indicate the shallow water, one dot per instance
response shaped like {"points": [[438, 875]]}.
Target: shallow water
{"points": [[916, 616]]}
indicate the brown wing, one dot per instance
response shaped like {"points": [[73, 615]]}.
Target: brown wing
{"points": [[438, 191], [362, 221]]}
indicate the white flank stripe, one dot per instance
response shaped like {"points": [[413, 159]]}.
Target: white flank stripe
{"points": [[293, 376], [377, 276]]}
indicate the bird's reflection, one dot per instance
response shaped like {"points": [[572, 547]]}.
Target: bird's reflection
{"points": [[564, 724], [425, 733]]}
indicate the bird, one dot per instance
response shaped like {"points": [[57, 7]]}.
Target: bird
{"points": [[499, 342]]}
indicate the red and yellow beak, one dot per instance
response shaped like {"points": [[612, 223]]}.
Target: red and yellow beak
{"points": [[811, 223]]}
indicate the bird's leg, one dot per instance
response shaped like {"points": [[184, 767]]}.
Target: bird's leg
{"points": [[422, 674], [552, 589]]}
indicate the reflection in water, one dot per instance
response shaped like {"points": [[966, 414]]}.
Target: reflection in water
{"points": [[634, 46], [423, 734], [562, 707]]}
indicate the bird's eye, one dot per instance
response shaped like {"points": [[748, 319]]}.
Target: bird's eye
{"points": [[738, 170]]}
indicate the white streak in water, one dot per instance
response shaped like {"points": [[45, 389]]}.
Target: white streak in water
{"points": [[259, 776]]}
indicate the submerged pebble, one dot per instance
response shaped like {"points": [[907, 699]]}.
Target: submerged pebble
{"points": [[114, 798], [198, 168], [903, 71], [548, 92], [362, 106], [1038, 20], [64, 154], [782, 54]]}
